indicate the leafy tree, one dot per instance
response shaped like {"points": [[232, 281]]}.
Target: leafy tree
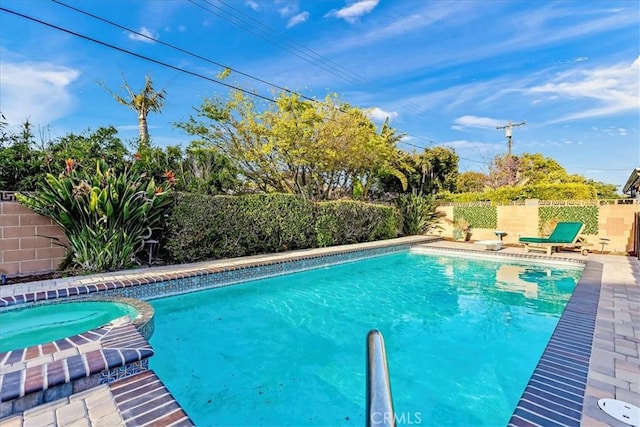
{"points": [[470, 182], [603, 190], [205, 170], [21, 164], [143, 102], [320, 150], [536, 169], [87, 148], [432, 171], [504, 171]]}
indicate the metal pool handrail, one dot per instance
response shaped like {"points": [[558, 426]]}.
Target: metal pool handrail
{"points": [[379, 401]]}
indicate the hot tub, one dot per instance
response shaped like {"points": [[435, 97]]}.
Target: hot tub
{"points": [[25, 327]]}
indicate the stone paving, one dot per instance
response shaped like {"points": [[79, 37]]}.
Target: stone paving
{"points": [[94, 407]]}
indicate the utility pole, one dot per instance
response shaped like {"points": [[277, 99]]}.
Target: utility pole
{"points": [[508, 131]]}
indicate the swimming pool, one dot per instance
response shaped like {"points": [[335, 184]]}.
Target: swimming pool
{"points": [[37, 325], [462, 337]]}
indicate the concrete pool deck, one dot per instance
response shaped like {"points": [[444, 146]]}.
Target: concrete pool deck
{"points": [[613, 361]]}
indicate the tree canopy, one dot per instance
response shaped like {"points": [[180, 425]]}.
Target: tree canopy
{"points": [[320, 150]]}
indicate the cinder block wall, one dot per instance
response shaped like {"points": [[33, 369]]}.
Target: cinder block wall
{"points": [[24, 249], [615, 223]]}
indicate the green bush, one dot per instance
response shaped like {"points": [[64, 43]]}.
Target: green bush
{"points": [[212, 227], [418, 214], [585, 214], [106, 216], [569, 191], [343, 222]]}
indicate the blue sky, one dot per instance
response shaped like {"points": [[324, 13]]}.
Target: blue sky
{"points": [[445, 72]]}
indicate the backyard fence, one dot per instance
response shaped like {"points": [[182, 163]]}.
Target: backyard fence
{"points": [[609, 221]]}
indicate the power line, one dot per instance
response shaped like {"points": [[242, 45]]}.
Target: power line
{"points": [[329, 68], [435, 144], [146, 58], [182, 50], [272, 32], [294, 43], [162, 63]]}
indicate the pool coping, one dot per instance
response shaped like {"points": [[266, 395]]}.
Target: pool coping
{"points": [[539, 404]]}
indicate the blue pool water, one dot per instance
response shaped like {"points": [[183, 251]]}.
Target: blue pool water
{"points": [[37, 325], [462, 338]]}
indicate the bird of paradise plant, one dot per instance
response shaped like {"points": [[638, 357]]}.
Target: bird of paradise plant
{"points": [[105, 216]]}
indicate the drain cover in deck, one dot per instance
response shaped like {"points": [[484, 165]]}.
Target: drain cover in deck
{"points": [[621, 411]]}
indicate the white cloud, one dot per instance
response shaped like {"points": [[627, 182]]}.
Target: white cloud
{"points": [[146, 33], [476, 122], [298, 19], [253, 5], [182, 28], [615, 89], [289, 9], [352, 12], [39, 91], [379, 115]]}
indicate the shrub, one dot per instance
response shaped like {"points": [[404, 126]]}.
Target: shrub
{"points": [[201, 228], [211, 227], [418, 214], [566, 191], [106, 216], [344, 221]]}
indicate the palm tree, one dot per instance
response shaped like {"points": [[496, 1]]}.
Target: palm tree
{"points": [[143, 102]]}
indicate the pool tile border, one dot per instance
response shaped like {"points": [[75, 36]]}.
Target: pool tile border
{"points": [[173, 283], [555, 393], [144, 400], [46, 372]]}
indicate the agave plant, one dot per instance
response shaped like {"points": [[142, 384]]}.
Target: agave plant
{"points": [[105, 216]]}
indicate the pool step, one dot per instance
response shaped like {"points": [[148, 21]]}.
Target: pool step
{"points": [[144, 400], [48, 372]]}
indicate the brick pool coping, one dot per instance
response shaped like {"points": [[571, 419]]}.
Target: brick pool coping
{"points": [[556, 391]]}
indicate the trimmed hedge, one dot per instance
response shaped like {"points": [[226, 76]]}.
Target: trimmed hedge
{"points": [[211, 227], [345, 221], [570, 191]]}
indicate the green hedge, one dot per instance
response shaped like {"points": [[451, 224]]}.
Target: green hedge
{"points": [[343, 222], [477, 216], [585, 214], [573, 191], [211, 227]]}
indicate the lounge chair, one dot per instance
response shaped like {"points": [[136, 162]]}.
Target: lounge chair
{"points": [[566, 234]]}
